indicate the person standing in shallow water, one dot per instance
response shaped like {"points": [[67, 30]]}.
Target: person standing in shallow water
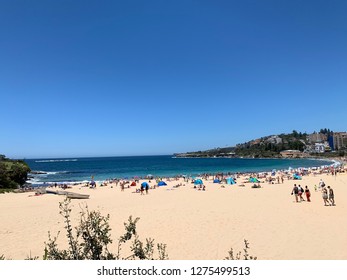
{"points": [[308, 194]]}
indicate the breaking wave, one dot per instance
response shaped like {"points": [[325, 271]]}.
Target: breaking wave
{"points": [[55, 160]]}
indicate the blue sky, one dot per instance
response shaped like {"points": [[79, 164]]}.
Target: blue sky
{"points": [[108, 78]]}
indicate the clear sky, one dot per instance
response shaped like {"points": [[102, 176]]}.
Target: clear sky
{"points": [[109, 78]]}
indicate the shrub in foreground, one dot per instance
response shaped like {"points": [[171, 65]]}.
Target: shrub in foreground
{"points": [[90, 240], [239, 256]]}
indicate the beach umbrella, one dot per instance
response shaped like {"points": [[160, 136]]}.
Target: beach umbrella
{"points": [[216, 181], [144, 184]]}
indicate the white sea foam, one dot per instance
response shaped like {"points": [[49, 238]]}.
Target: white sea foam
{"points": [[36, 182], [45, 173], [55, 160]]}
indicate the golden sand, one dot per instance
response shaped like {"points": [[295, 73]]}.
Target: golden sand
{"points": [[194, 224]]}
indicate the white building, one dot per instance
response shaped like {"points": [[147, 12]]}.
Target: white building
{"points": [[319, 148]]}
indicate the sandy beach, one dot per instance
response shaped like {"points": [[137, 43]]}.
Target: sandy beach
{"points": [[194, 224]]}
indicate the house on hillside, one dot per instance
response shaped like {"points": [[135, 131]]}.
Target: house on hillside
{"points": [[319, 147]]}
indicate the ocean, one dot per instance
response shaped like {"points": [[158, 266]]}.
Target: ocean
{"points": [[71, 170]]}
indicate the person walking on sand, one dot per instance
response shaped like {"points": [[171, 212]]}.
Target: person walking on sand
{"points": [[308, 194], [331, 196], [295, 191], [325, 197], [321, 184], [301, 191]]}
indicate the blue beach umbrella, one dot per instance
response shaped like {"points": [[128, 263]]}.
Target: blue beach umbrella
{"points": [[144, 184]]}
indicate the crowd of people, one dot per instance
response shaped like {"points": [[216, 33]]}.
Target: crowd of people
{"points": [[327, 193]]}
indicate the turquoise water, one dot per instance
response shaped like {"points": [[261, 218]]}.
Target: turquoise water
{"points": [[102, 168]]}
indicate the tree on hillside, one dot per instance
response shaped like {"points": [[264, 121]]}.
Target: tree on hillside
{"points": [[326, 132], [19, 173], [13, 173], [4, 179]]}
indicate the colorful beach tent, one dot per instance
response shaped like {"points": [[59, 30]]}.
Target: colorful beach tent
{"points": [[162, 183], [296, 177], [254, 180], [230, 181], [198, 182], [133, 184], [216, 181]]}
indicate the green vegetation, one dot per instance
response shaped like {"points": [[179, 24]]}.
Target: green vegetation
{"points": [[268, 147], [217, 152], [91, 240], [272, 146], [13, 173], [326, 132]]}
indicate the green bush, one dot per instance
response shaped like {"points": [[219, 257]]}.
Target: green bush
{"points": [[90, 240], [13, 173]]}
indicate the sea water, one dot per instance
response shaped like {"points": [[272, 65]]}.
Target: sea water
{"points": [[102, 168]]}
